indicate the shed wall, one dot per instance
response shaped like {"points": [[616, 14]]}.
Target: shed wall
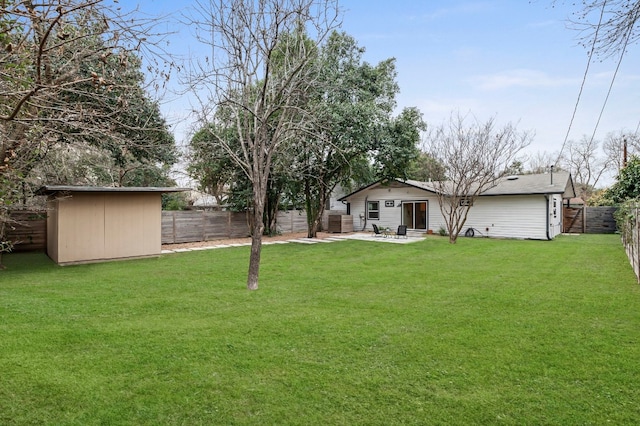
{"points": [[89, 227]]}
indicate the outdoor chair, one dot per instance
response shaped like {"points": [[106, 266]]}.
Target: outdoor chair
{"points": [[376, 231], [402, 231]]}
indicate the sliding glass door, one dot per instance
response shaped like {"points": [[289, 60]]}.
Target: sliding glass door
{"points": [[414, 214]]}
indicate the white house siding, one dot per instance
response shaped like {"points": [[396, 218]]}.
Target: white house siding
{"points": [[389, 216], [514, 216]]}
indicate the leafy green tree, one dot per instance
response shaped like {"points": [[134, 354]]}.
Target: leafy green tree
{"points": [[210, 165], [425, 168], [352, 125], [627, 185], [515, 168], [397, 148]]}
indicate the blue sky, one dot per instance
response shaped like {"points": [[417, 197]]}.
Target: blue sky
{"points": [[516, 60]]}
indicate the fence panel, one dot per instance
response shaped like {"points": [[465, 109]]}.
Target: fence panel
{"points": [[195, 225], [573, 220], [216, 225], [292, 221], [238, 225], [600, 220], [28, 230]]}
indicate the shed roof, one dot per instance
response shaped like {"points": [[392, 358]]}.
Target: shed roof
{"points": [[55, 189], [535, 184]]}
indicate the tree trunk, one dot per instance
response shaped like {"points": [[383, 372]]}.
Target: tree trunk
{"points": [[257, 228], [254, 261], [314, 211], [256, 249], [271, 209], [316, 223], [314, 227], [2, 241]]}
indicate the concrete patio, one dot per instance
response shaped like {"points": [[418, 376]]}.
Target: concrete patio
{"points": [[361, 236]]}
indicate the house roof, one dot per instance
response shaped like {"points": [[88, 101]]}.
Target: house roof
{"points": [[546, 183], [541, 184], [54, 189]]}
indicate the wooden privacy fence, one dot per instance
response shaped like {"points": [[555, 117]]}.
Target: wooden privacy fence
{"points": [[589, 220], [196, 225], [191, 226], [28, 230]]}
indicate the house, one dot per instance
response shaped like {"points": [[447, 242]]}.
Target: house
{"points": [[526, 206], [92, 224]]}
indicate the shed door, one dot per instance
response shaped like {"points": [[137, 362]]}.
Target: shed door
{"points": [[414, 214]]}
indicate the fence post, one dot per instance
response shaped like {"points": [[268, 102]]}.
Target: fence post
{"points": [[636, 266], [173, 226], [204, 226]]}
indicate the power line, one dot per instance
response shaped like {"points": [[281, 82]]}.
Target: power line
{"points": [[584, 80], [613, 79]]}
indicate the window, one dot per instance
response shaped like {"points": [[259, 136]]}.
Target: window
{"points": [[373, 210]]}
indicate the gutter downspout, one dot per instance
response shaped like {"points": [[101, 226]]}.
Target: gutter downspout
{"points": [[546, 197], [366, 199]]}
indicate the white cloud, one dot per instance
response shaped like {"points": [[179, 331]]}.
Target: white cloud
{"points": [[520, 78], [468, 8]]}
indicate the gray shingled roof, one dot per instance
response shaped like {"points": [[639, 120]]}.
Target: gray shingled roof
{"points": [[53, 189], [508, 185], [560, 183]]}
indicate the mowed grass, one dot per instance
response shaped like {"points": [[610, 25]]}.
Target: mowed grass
{"points": [[352, 332]]}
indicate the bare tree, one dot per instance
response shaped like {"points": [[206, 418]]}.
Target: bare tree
{"points": [[474, 155], [614, 146], [608, 26], [540, 162], [261, 68], [585, 162]]}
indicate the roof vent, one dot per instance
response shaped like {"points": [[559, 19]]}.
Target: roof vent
{"points": [[512, 177]]}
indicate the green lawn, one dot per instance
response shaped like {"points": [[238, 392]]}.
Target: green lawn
{"points": [[347, 333]]}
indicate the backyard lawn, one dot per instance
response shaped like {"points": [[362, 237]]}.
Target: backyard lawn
{"points": [[345, 333]]}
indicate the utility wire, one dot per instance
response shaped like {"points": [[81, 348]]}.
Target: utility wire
{"points": [[613, 79], [584, 80]]}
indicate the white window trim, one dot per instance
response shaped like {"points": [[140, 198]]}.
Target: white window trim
{"points": [[369, 211]]}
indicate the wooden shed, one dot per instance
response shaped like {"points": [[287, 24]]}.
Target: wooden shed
{"points": [[93, 224]]}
